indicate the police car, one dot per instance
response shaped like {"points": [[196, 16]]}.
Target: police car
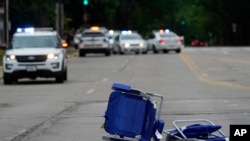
{"points": [[129, 41], [35, 52], [165, 41], [94, 40]]}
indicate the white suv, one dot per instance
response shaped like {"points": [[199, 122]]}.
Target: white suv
{"points": [[35, 52]]}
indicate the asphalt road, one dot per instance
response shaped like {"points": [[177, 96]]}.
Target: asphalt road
{"points": [[207, 83]]}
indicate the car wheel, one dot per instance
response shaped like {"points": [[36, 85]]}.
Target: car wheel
{"points": [[65, 74], [165, 51], [7, 80], [155, 50], [178, 50], [107, 53], [120, 51], [113, 51], [81, 54], [76, 46], [60, 78]]}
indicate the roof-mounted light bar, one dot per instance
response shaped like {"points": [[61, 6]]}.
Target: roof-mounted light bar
{"points": [[126, 32], [32, 29]]}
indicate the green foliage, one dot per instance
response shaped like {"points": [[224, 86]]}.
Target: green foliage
{"points": [[32, 13]]}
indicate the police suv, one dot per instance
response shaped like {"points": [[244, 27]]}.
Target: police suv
{"points": [[35, 52]]}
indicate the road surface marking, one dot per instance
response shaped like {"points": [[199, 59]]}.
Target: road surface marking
{"points": [[90, 91], [105, 79], [193, 67], [225, 52]]}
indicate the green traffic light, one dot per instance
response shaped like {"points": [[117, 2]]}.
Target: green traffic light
{"points": [[183, 22], [85, 2]]}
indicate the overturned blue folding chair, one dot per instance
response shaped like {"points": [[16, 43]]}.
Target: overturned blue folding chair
{"points": [[195, 130], [132, 114]]}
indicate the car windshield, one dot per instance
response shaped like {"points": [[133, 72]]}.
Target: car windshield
{"points": [[34, 42], [131, 37]]}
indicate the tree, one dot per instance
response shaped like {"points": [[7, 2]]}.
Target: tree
{"points": [[31, 13]]}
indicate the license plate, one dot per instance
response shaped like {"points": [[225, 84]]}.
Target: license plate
{"points": [[98, 45], [31, 68], [87, 45]]}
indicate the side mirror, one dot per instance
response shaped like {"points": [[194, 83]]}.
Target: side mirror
{"points": [[64, 44]]}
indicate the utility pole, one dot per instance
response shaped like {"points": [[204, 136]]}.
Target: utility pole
{"points": [[59, 17], [4, 23]]}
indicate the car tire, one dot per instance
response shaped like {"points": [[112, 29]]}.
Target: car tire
{"points": [[7, 81], [113, 51], [120, 51], [165, 51], [60, 78], [65, 73], [155, 50], [81, 53], [76, 46], [108, 53], [178, 50]]}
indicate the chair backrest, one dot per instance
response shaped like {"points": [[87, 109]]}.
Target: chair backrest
{"points": [[125, 114]]}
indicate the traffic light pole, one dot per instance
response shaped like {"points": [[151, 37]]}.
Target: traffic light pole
{"points": [[85, 14]]}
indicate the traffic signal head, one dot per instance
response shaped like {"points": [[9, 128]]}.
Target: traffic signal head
{"points": [[85, 2], [183, 22]]}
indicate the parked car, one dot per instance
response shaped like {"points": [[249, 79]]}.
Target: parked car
{"points": [[165, 40], [129, 42]]}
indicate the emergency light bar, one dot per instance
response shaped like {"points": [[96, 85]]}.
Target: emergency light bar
{"points": [[32, 29]]}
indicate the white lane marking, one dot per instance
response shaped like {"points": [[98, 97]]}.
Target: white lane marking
{"points": [[105, 79], [234, 105], [224, 52], [90, 91]]}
